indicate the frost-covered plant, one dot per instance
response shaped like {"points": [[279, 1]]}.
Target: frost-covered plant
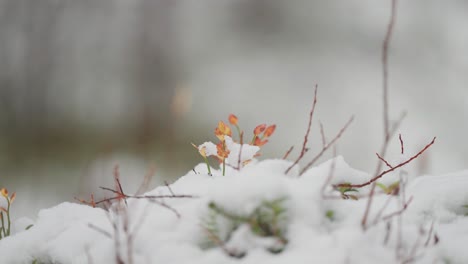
{"points": [[229, 149], [268, 220], [5, 219]]}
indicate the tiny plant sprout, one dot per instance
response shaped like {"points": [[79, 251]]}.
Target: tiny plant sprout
{"points": [[5, 227], [330, 214], [233, 120], [202, 151], [259, 139], [221, 150], [345, 189], [222, 130], [390, 189]]}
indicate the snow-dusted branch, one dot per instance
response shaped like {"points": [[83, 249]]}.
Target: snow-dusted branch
{"points": [[306, 137], [383, 173]]}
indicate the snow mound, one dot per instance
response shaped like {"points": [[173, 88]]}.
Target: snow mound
{"points": [[255, 215]]}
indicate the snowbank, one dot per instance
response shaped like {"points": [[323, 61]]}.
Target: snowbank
{"points": [[315, 227]]}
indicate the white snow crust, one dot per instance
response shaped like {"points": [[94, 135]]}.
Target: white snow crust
{"points": [[75, 233]]}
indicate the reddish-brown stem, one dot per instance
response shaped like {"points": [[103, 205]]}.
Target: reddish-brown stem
{"points": [[388, 132], [288, 152], [118, 186], [306, 137], [391, 169], [383, 160], [402, 146], [241, 138], [327, 146]]}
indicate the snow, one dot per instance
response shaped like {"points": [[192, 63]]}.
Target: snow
{"points": [[76, 233]]}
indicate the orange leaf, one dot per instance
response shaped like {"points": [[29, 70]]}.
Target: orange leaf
{"points": [[259, 142], [12, 198], [4, 192], [269, 131], [259, 129], [222, 151], [222, 130], [233, 119]]}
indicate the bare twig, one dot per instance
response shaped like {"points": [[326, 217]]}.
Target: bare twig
{"points": [[327, 146], [380, 175], [398, 212], [382, 209], [322, 133], [429, 236], [139, 224], [100, 230], [288, 152], [385, 46], [213, 237], [118, 186], [241, 138], [146, 180], [163, 204], [402, 146], [330, 175], [306, 137], [384, 161], [388, 230], [387, 131]]}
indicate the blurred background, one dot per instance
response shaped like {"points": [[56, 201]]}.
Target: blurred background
{"points": [[88, 84]]}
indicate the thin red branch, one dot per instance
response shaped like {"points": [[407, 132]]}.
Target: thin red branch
{"points": [[402, 146], [241, 138], [118, 186], [388, 132], [391, 169], [327, 146], [383, 160], [288, 152], [306, 137]]}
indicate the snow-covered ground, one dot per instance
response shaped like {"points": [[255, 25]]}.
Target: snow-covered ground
{"points": [[257, 214]]}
